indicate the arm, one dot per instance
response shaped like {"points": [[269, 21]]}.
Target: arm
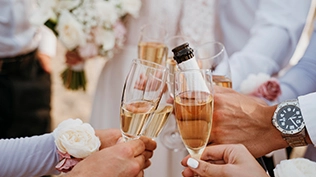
{"points": [[34, 156], [247, 120], [273, 39], [47, 48], [242, 119], [301, 78]]}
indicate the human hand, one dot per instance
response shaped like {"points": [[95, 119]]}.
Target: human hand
{"points": [[73, 58], [223, 161], [242, 119], [126, 159], [150, 146], [108, 137], [45, 62]]}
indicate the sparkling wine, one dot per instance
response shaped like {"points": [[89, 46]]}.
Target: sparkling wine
{"points": [[193, 112], [157, 121], [152, 51], [133, 117], [222, 81]]}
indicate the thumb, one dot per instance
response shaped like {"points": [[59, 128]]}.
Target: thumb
{"points": [[203, 168]]}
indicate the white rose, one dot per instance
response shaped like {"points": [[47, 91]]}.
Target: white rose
{"points": [[106, 11], [70, 31], [295, 167], [106, 38], [252, 82], [131, 6], [76, 138], [67, 4]]}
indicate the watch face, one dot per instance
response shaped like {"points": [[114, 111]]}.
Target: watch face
{"points": [[289, 119]]}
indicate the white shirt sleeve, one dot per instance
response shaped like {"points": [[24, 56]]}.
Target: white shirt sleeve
{"points": [[273, 38], [48, 42], [308, 109], [25, 157]]}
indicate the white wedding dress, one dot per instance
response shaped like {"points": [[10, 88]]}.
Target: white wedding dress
{"points": [[239, 28]]}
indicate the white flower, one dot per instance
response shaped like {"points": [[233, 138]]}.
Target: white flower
{"points": [[70, 31], [295, 167], [44, 13], [131, 6], [252, 82], [76, 138], [106, 38], [106, 12], [67, 4]]}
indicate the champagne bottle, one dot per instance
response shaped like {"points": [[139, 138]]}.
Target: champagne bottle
{"points": [[185, 59]]}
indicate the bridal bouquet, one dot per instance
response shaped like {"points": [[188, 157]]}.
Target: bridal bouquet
{"points": [[88, 27]]}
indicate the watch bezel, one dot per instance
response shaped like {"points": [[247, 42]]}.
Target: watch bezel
{"points": [[275, 123]]}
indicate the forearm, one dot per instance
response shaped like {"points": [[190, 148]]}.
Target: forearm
{"points": [[34, 156]]}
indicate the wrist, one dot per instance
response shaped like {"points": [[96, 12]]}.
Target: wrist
{"points": [[277, 140], [288, 120]]}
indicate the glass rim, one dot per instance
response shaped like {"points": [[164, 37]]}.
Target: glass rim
{"points": [[212, 42], [151, 64], [164, 31], [192, 70]]}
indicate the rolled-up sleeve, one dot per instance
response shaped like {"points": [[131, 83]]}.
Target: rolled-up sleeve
{"points": [[48, 41], [273, 39], [301, 78]]}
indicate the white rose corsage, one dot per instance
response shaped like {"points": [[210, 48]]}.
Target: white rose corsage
{"points": [[75, 141], [261, 85], [295, 167]]}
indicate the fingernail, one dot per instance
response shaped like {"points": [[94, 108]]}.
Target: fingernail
{"points": [[192, 163]]}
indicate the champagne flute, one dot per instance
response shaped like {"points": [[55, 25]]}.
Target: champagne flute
{"points": [[193, 106], [171, 136], [212, 55], [142, 92], [151, 45], [160, 116]]}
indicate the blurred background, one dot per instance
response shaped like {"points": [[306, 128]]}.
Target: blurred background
{"points": [[72, 104]]}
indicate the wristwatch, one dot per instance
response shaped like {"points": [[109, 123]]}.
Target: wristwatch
{"points": [[289, 121]]}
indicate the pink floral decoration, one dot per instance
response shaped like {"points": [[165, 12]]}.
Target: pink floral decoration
{"points": [[120, 32], [66, 162], [269, 90]]}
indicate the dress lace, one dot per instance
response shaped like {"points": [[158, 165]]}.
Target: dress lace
{"points": [[197, 20]]}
